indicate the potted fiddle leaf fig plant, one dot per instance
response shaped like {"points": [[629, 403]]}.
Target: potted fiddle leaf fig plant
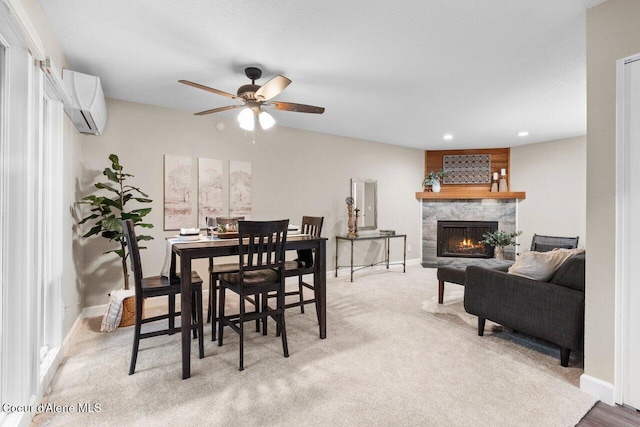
{"points": [[108, 211], [432, 180], [499, 240]]}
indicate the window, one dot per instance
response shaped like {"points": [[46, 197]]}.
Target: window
{"points": [[31, 312]]}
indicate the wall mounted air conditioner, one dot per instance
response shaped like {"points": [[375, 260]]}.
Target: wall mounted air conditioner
{"points": [[88, 109]]}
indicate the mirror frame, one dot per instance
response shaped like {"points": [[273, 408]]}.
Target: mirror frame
{"points": [[356, 181]]}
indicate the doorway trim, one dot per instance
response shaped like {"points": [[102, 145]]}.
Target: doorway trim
{"points": [[621, 256]]}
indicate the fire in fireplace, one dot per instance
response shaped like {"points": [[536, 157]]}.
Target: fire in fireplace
{"points": [[462, 238]]}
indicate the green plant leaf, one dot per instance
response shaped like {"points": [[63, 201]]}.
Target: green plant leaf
{"points": [[107, 187], [110, 235], [92, 199], [142, 200], [120, 252], [111, 175], [142, 211], [132, 188], [143, 237], [94, 230], [131, 215], [141, 224], [88, 218], [115, 203], [112, 224], [115, 162]]}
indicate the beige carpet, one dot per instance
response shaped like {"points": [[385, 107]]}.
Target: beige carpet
{"points": [[392, 357]]}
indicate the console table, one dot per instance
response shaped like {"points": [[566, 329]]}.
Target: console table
{"points": [[386, 239]]}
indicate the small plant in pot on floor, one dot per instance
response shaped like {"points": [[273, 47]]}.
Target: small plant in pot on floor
{"points": [[109, 208], [499, 240]]}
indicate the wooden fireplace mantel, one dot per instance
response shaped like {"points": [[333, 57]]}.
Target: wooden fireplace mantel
{"points": [[466, 194]]}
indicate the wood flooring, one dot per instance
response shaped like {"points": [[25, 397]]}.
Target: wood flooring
{"points": [[603, 415]]}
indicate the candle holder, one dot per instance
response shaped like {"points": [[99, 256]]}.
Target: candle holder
{"points": [[494, 182], [503, 187], [355, 226], [351, 234]]}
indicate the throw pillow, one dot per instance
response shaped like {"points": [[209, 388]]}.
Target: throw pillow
{"points": [[541, 265]]}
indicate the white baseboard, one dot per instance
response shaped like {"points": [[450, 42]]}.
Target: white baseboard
{"points": [[598, 388], [99, 310], [93, 311], [66, 343]]}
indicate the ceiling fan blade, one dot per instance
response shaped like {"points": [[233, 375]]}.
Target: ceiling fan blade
{"points": [[272, 88], [298, 108], [208, 89], [217, 110]]}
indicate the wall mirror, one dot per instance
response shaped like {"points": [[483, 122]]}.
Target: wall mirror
{"points": [[365, 198]]}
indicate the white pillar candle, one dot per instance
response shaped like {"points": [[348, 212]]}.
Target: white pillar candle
{"points": [[495, 176], [503, 171]]}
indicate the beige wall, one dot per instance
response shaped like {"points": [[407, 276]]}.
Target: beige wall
{"points": [[295, 173], [72, 287], [553, 174], [612, 33]]}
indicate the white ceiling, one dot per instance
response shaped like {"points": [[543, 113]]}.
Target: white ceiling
{"points": [[397, 72]]}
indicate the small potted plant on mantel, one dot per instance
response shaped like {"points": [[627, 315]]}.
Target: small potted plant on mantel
{"points": [[499, 240], [432, 180]]}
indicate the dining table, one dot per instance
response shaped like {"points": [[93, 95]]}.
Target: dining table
{"points": [[212, 248]]}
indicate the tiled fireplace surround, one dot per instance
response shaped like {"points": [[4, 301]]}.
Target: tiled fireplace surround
{"points": [[502, 210]]}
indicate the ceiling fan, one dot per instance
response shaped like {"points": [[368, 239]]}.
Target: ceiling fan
{"points": [[255, 98]]}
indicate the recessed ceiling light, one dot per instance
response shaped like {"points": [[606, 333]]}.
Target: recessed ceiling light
{"points": [[447, 137], [523, 133]]}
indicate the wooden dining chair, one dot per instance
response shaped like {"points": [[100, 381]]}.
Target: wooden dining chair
{"points": [[159, 286], [260, 271], [304, 264], [301, 266], [215, 270]]}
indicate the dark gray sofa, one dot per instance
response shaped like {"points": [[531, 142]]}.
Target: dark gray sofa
{"points": [[552, 310]]}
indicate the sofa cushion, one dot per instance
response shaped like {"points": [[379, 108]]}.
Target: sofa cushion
{"points": [[571, 274], [454, 272], [541, 266]]}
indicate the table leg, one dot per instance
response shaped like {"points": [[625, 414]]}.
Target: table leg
{"points": [[185, 316], [320, 282], [387, 245], [404, 256], [352, 260], [336, 257]]}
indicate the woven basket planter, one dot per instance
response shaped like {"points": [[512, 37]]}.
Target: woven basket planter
{"points": [[129, 311]]}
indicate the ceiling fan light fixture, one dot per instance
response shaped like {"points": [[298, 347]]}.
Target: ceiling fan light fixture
{"points": [[266, 120], [246, 119]]}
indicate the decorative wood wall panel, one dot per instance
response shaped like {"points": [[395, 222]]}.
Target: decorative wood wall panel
{"points": [[433, 161]]}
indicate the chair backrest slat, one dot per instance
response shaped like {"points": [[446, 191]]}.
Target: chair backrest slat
{"points": [[134, 253]]}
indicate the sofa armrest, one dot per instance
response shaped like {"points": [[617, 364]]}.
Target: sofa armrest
{"points": [[542, 309]]}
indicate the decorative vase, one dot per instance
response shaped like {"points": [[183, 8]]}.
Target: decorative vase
{"points": [[350, 223], [498, 252], [503, 187], [435, 186]]}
